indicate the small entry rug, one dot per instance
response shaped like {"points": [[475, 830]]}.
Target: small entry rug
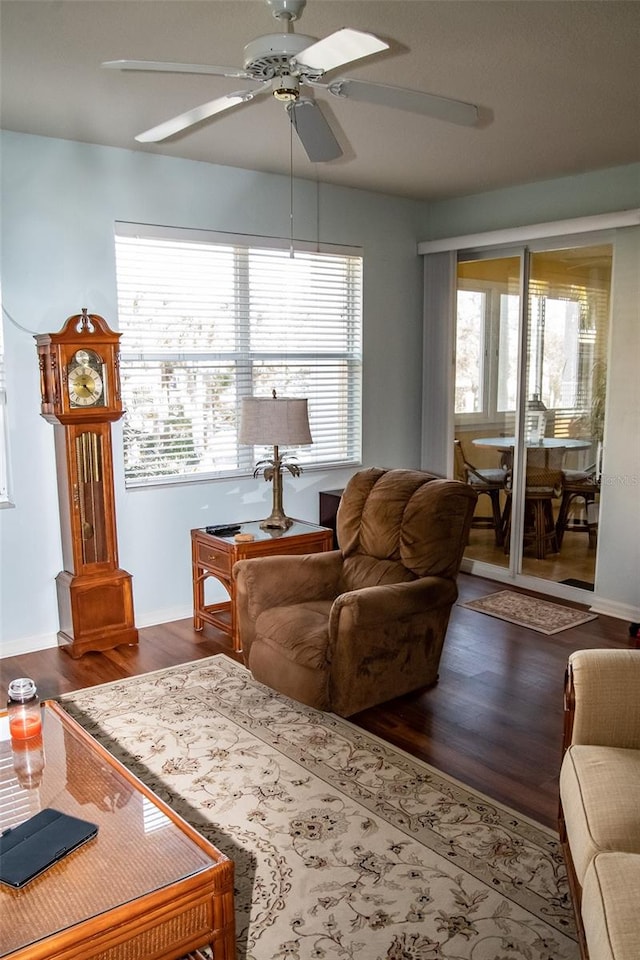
{"points": [[540, 615], [345, 848], [581, 584]]}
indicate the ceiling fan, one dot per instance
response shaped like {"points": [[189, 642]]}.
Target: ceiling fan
{"points": [[283, 63]]}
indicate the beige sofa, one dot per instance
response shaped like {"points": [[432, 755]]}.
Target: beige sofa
{"points": [[600, 800]]}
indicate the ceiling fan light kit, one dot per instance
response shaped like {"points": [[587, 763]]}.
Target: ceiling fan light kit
{"points": [[287, 89], [281, 62]]}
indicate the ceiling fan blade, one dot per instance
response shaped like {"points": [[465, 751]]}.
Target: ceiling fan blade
{"points": [[315, 133], [158, 66], [340, 48], [428, 104], [195, 115]]}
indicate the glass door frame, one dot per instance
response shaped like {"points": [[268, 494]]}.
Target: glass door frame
{"points": [[520, 253], [512, 573], [519, 450]]}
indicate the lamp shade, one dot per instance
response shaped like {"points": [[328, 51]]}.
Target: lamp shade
{"points": [[274, 421]]}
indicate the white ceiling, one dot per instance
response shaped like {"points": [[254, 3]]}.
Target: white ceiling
{"points": [[557, 81]]}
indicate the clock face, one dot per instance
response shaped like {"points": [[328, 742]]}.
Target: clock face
{"points": [[84, 377]]}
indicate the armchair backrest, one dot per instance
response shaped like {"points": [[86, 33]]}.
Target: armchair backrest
{"points": [[397, 525]]}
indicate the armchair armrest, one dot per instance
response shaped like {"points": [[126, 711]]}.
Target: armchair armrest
{"points": [[393, 601], [602, 698], [386, 640], [277, 581], [265, 582]]}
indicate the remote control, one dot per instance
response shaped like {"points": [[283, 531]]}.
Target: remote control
{"points": [[225, 530]]}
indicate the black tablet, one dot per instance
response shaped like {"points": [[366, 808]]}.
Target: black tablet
{"points": [[42, 840]]}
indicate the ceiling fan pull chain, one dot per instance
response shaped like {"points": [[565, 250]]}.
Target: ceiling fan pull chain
{"points": [[291, 250]]}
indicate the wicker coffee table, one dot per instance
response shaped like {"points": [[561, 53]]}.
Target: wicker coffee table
{"points": [[148, 886]]}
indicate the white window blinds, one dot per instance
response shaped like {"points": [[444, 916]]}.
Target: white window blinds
{"points": [[205, 322], [568, 337]]}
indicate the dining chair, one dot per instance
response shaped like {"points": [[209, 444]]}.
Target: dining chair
{"points": [[577, 485], [543, 485], [491, 481]]}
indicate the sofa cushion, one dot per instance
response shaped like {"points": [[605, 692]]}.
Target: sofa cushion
{"points": [[610, 906], [599, 790]]}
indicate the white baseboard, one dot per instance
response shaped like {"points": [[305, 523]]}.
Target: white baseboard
{"points": [[611, 608], [15, 648], [164, 616]]}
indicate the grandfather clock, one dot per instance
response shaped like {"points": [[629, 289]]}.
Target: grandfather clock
{"points": [[80, 396]]}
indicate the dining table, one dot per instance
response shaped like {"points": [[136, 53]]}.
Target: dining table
{"points": [[543, 475], [563, 444], [547, 443]]}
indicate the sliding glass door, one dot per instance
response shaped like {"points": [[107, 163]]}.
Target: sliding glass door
{"points": [[530, 377], [486, 391]]}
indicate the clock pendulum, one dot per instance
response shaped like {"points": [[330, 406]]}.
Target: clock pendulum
{"points": [[80, 396]]}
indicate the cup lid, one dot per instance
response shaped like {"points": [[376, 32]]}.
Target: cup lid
{"points": [[22, 689]]}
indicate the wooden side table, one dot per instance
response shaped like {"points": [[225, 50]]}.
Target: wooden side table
{"points": [[329, 503], [214, 556]]}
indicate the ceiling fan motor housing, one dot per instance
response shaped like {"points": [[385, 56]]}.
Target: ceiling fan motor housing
{"points": [[267, 57]]}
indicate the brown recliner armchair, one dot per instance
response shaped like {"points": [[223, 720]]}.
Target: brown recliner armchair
{"points": [[347, 629]]}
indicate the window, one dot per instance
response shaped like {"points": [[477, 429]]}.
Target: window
{"points": [[487, 339], [470, 351], [207, 319]]}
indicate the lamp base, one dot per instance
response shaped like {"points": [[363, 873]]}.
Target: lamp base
{"points": [[277, 521]]}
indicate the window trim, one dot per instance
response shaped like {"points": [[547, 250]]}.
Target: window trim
{"points": [[556, 231], [154, 231]]}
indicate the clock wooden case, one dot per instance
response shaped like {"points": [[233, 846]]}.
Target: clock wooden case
{"points": [[80, 396]]}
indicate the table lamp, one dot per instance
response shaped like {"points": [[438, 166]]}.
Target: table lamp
{"points": [[281, 422]]}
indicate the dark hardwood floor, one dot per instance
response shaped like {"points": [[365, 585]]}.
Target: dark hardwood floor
{"points": [[494, 720]]}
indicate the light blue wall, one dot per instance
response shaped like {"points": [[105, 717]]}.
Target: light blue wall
{"points": [[59, 203], [587, 194], [618, 567]]}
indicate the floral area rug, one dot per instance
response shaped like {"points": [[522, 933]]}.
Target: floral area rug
{"points": [[345, 848], [540, 615]]}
